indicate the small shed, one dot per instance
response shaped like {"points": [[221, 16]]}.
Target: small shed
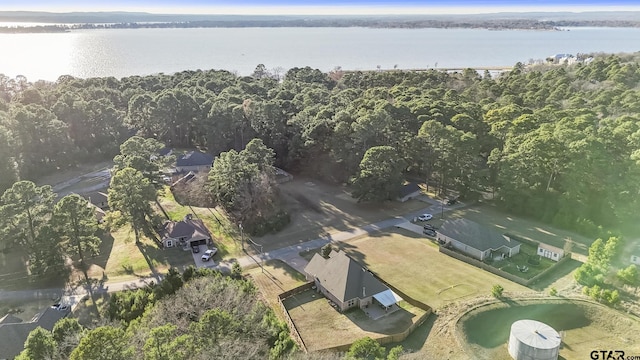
{"points": [[550, 252]]}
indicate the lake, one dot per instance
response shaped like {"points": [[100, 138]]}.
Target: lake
{"points": [[124, 52]]}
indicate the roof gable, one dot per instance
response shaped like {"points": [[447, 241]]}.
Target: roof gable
{"points": [[194, 158], [475, 235], [343, 277], [186, 228]]}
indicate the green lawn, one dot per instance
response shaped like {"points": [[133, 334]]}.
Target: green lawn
{"points": [[122, 259], [524, 258], [414, 265], [583, 326]]}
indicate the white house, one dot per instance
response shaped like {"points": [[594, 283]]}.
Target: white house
{"points": [[550, 252]]}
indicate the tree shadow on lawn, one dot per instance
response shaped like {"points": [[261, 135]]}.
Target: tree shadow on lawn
{"points": [[390, 324], [416, 340], [104, 251], [279, 264], [301, 299], [552, 276]]}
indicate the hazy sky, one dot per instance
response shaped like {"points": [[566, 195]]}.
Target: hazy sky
{"points": [[319, 7]]}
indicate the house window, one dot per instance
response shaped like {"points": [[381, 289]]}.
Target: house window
{"points": [[540, 250], [555, 255], [169, 243]]}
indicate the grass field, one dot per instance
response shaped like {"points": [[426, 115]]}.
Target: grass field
{"points": [[276, 278], [414, 265], [226, 236], [583, 326], [322, 327], [122, 259], [318, 209]]}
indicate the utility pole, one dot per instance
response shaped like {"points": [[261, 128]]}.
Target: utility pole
{"points": [[241, 236]]}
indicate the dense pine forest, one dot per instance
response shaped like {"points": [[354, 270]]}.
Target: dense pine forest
{"points": [[554, 142]]}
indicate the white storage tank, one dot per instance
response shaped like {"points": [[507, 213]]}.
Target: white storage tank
{"points": [[533, 340]]}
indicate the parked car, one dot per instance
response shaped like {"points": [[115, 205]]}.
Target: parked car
{"points": [[195, 248], [425, 217], [61, 307], [429, 232], [452, 201], [429, 227], [209, 254]]}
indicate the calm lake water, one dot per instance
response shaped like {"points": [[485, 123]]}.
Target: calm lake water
{"points": [[124, 52]]}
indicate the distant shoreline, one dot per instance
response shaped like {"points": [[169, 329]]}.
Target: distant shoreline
{"points": [[347, 22]]}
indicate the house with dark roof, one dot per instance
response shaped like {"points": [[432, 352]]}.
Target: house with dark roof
{"points": [[475, 240], [345, 282], [194, 161], [185, 233], [408, 191], [14, 332], [99, 199]]}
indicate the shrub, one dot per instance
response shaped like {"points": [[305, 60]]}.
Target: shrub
{"points": [[326, 250], [496, 291], [553, 291]]}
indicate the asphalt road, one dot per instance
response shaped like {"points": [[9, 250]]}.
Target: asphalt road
{"points": [[289, 254]]}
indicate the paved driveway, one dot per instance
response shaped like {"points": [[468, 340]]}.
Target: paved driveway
{"points": [[197, 258]]}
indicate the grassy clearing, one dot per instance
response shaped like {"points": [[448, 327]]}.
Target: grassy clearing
{"points": [[225, 235], [414, 265], [530, 229], [122, 259], [318, 209], [322, 327], [276, 278], [584, 327]]}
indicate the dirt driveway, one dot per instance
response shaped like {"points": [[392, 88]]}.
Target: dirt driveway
{"points": [[318, 209]]}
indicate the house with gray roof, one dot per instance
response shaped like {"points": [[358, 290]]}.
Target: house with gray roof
{"points": [[475, 240], [345, 282], [409, 191], [195, 161], [187, 232], [14, 332]]}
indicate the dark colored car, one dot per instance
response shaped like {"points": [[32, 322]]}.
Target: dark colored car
{"points": [[452, 201], [429, 232], [429, 227], [195, 249]]}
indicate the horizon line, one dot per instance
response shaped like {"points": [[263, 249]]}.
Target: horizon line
{"points": [[338, 10]]}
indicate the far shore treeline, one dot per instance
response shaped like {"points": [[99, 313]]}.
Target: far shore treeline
{"points": [[60, 22], [554, 142]]}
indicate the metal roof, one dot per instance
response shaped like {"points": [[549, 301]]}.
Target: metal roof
{"points": [[535, 334]]}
